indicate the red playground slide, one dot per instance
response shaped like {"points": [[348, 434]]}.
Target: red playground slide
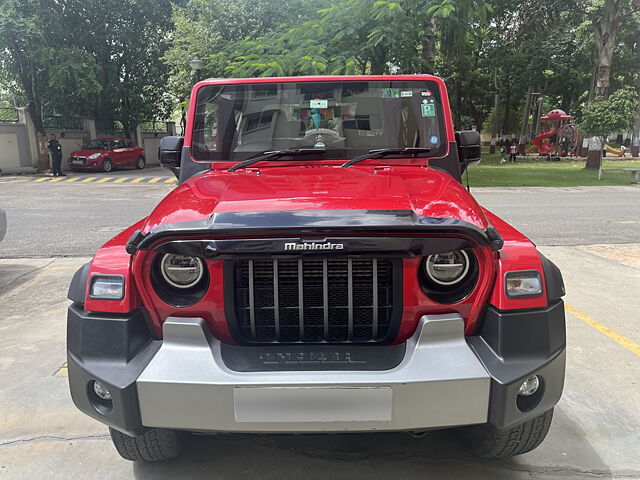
{"points": [[543, 147]]}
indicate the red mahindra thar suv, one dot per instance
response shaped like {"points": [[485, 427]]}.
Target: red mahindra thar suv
{"points": [[319, 268]]}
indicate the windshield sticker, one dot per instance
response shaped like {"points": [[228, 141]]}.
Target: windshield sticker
{"points": [[434, 140], [426, 93], [318, 103], [390, 92], [406, 93], [428, 110]]}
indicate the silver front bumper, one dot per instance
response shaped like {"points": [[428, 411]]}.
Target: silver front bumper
{"points": [[439, 383]]}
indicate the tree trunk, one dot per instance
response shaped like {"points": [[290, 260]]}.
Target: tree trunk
{"points": [[635, 140], [429, 47], [28, 80], [379, 61], [506, 127], [494, 124], [606, 29], [525, 121], [496, 106]]}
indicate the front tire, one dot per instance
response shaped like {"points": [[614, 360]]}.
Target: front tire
{"points": [[107, 166], [140, 163], [154, 445], [488, 442]]}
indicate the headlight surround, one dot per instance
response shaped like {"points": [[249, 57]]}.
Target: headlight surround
{"points": [[523, 284], [179, 280], [447, 268], [107, 287], [449, 277], [94, 156], [181, 271]]}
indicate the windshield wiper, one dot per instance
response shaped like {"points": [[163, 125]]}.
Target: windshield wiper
{"points": [[384, 152], [274, 155]]}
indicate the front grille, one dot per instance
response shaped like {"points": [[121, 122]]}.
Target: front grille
{"points": [[333, 300], [79, 160]]}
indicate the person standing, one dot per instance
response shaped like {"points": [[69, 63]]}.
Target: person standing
{"points": [[503, 152], [56, 156], [513, 151]]}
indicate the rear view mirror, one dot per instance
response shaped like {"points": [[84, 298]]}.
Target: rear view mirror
{"points": [[468, 148], [170, 152]]}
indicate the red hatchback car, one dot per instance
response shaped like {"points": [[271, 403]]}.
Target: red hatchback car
{"points": [[106, 154]]}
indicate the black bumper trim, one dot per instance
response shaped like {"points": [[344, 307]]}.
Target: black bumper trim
{"points": [[513, 345], [114, 350], [309, 358]]}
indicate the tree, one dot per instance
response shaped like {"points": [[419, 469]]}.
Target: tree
{"points": [[605, 116], [50, 76], [127, 40], [606, 22]]}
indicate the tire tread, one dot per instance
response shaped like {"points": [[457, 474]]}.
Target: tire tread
{"points": [[489, 442], [154, 445]]}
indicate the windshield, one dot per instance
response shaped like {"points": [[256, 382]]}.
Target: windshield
{"points": [[235, 122], [98, 145]]}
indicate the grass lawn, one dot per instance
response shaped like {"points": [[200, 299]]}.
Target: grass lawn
{"points": [[535, 171]]}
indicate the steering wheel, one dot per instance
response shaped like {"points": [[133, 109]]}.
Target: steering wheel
{"points": [[329, 137]]}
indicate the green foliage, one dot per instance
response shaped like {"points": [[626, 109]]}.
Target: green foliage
{"points": [[615, 114], [127, 61]]}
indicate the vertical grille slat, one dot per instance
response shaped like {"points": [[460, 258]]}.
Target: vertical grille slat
{"points": [[276, 300], [252, 302], [301, 298], [350, 298], [313, 300], [325, 297], [374, 276]]}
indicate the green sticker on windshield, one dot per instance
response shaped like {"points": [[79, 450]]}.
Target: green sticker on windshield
{"points": [[428, 110]]}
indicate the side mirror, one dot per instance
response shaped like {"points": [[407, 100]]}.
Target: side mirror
{"points": [[170, 152], [468, 148]]}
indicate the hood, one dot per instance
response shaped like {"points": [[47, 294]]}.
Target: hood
{"points": [[86, 153], [425, 191]]}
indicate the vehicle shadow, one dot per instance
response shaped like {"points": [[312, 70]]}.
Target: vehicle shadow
{"points": [[372, 456]]}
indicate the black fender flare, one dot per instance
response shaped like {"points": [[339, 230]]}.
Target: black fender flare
{"points": [[78, 287]]}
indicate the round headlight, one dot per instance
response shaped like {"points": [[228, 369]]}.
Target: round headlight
{"points": [[447, 268], [181, 271]]}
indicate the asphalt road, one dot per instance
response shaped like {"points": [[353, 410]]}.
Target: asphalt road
{"points": [[592, 234]]}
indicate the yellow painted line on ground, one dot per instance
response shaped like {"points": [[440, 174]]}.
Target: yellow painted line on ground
{"points": [[63, 371], [171, 180], [609, 332], [154, 180], [43, 179], [137, 180], [122, 179], [105, 179], [59, 179], [72, 179], [88, 179]]}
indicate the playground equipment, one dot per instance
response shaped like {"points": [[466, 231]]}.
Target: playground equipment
{"points": [[614, 151], [557, 137]]}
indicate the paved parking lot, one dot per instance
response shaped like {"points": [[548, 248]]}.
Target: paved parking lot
{"points": [[596, 429]]}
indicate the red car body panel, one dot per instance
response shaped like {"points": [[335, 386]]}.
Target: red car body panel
{"points": [[113, 259], [425, 191]]}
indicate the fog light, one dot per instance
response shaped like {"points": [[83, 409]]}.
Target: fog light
{"points": [[529, 386], [101, 391]]}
